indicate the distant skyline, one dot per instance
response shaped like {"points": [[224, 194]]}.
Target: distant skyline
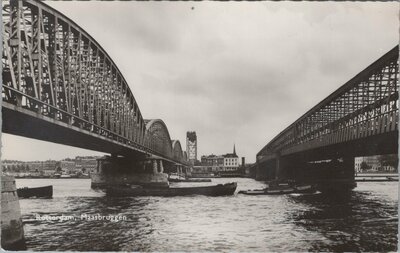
{"points": [[234, 72]]}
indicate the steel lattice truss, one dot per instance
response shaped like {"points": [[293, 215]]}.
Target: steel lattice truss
{"points": [[51, 66], [366, 105]]}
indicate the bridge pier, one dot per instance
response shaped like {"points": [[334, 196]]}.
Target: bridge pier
{"points": [[338, 176], [157, 166], [115, 171], [284, 167], [178, 169], [181, 170], [266, 171], [330, 175]]}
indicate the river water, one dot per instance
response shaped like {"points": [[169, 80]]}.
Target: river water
{"points": [[364, 220]]}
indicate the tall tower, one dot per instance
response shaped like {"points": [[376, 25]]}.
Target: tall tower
{"points": [[191, 146]]}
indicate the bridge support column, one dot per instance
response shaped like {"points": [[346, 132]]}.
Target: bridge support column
{"points": [[187, 171], [161, 166], [339, 175], [114, 171], [155, 166]]}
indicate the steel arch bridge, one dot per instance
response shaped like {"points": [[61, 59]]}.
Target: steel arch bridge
{"points": [[60, 85], [358, 119]]}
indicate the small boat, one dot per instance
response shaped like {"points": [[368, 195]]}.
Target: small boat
{"points": [[204, 175], [376, 179], [280, 190], [174, 177], [305, 189], [38, 192], [253, 192], [197, 180], [214, 190], [189, 180], [268, 191], [56, 175]]}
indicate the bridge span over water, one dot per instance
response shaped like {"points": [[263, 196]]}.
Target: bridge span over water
{"points": [[61, 86], [358, 119]]}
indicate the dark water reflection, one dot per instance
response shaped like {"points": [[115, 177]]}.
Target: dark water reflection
{"points": [[357, 221], [364, 220]]}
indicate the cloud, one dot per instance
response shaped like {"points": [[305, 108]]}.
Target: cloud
{"points": [[234, 72]]}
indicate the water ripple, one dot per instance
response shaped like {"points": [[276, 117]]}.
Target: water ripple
{"points": [[365, 220]]}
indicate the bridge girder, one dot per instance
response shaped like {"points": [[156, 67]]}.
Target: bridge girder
{"points": [[57, 71], [365, 106]]}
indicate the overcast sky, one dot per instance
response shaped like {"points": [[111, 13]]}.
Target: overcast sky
{"points": [[234, 72]]}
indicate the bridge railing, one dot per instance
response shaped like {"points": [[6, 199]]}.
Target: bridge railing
{"points": [[366, 105], [53, 68]]}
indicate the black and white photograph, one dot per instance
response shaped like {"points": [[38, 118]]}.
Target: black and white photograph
{"points": [[199, 126]]}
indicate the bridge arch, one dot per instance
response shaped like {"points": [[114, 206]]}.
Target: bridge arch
{"points": [[65, 74], [177, 150], [57, 76], [158, 136]]}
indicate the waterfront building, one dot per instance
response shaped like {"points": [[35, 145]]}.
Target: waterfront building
{"points": [[201, 169], [30, 168], [86, 164], [67, 166], [81, 164], [34, 166], [212, 163], [48, 172], [378, 163], [231, 161], [13, 166], [49, 165], [219, 163]]}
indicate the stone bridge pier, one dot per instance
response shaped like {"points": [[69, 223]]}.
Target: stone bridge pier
{"points": [[117, 171]]}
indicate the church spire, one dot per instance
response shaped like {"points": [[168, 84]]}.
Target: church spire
{"points": [[234, 149]]}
